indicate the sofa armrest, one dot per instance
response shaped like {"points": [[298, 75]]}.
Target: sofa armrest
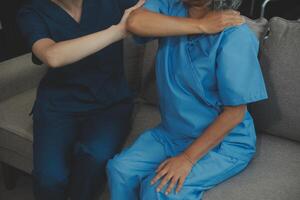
{"points": [[18, 75]]}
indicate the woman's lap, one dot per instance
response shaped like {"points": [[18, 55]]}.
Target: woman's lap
{"points": [[145, 155]]}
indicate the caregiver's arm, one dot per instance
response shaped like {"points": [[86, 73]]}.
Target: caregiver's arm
{"points": [[146, 23], [176, 169], [58, 54]]}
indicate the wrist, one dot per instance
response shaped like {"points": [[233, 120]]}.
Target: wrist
{"points": [[119, 30], [199, 25], [188, 158]]}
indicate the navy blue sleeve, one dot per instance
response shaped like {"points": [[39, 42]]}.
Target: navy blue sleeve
{"points": [[31, 26]]}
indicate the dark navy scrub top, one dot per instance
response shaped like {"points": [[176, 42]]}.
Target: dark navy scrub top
{"points": [[93, 82]]}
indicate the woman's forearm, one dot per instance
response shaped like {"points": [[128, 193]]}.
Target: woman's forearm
{"points": [[215, 133], [148, 24], [70, 51]]}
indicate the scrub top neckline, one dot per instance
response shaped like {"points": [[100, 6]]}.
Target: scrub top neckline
{"points": [[62, 10], [191, 38]]}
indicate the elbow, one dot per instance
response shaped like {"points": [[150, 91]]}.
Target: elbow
{"points": [[240, 113], [51, 59], [236, 113], [133, 22]]}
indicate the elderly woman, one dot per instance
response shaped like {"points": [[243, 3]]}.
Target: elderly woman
{"points": [[204, 83]]}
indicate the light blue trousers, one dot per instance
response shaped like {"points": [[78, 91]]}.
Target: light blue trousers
{"points": [[130, 172]]}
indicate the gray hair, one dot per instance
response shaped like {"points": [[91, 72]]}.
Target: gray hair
{"points": [[225, 4], [214, 4]]}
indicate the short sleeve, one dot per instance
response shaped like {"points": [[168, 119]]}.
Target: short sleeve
{"points": [[239, 76], [157, 6], [125, 4], [31, 26]]}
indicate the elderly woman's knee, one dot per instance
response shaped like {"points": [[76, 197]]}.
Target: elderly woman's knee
{"points": [[118, 168]]}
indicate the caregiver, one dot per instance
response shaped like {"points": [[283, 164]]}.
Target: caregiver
{"points": [[82, 111]]}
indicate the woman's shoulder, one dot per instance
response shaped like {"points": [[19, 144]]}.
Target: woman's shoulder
{"points": [[28, 10], [242, 33]]}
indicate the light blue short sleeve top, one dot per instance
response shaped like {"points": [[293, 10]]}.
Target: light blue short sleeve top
{"points": [[198, 75]]}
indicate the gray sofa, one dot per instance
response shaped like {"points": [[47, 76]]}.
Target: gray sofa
{"points": [[274, 174]]}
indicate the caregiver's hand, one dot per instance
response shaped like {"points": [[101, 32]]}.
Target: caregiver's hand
{"points": [[217, 21], [127, 12], [173, 171]]}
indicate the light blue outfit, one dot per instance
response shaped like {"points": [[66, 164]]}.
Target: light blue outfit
{"points": [[196, 77]]}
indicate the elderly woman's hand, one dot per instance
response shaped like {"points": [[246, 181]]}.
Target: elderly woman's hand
{"points": [[217, 21], [173, 171]]}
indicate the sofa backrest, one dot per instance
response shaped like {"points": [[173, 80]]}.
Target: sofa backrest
{"points": [[280, 61], [18, 75], [133, 56]]}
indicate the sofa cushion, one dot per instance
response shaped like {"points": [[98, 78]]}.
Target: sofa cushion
{"points": [[149, 90], [132, 62], [148, 83], [280, 115], [146, 117], [272, 175], [16, 124]]}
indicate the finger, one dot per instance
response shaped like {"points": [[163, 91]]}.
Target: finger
{"points": [[171, 185], [136, 6], [228, 18], [230, 12], [161, 166], [158, 176], [233, 23], [165, 180], [139, 4], [180, 184]]}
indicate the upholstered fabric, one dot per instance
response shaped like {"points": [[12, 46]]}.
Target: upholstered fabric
{"points": [[16, 122], [132, 63], [16, 130], [280, 115], [148, 84], [149, 90], [15, 159], [18, 75], [259, 26], [146, 117], [272, 175]]}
